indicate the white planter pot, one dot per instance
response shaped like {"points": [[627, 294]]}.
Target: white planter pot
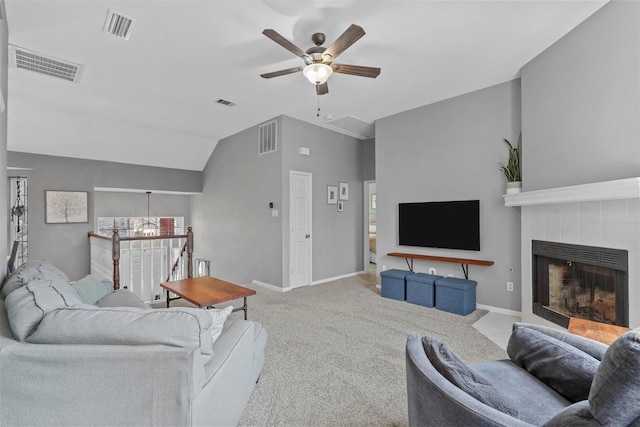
{"points": [[514, 187]]}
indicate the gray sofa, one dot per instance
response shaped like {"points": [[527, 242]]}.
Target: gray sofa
{"points": [[64, 361], [552, 378]]}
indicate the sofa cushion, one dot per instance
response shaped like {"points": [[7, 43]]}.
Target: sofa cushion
{"points": [[90, 289], [453, 369], [87, 324], [614, 393], [33, 270], [594, 348], [218, 317], [577, 414], [121, 298], [566, 369], [27, 305]]}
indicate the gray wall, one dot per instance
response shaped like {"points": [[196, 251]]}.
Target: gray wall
{"points": [[135, 204], [581, 103], [239, 236], [450, 151], [244, 241], [336, 236], [4, 194], [369, 160], [67, 245]]}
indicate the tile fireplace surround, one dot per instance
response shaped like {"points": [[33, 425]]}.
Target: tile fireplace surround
{"points": [[605, 214]]}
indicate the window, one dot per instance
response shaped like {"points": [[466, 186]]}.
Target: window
{"points": [[140, 226]]}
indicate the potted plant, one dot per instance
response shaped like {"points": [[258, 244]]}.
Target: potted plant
{"points": [[512, 169]]}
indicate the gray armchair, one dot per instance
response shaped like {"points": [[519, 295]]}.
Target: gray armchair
{"points": [[552, 378]]}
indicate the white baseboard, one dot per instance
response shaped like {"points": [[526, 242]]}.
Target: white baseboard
{"points": [[499, 310], [317, 282], [331, 279], [270, 286]]}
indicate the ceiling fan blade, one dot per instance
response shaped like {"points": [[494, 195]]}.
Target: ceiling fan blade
{"points": [[346, 39], [322, 89], [276, 37], [281, 72], [356, 70]]}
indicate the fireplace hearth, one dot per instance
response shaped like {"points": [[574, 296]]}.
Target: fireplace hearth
{"points": [[580, 281]]}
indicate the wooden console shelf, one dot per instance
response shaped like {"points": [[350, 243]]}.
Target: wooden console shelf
{"points": [[462, 261]]}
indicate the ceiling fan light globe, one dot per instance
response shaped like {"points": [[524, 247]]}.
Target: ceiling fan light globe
{"points": [[317, 73]]}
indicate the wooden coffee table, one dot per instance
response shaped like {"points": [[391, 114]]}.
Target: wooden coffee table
{"points": [[206, 291], [602, 332]]}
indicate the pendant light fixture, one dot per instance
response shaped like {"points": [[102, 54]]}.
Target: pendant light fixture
{"points": [[149, 228]]}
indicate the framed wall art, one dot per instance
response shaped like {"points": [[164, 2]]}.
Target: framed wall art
{"points": [[340, 206], [66, 207], [344, 191], [332, 194]]}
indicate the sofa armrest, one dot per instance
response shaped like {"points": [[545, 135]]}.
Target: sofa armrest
{"points": [[433, 400], [98, 384]]}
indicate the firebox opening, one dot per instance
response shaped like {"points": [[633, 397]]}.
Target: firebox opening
{"points": [[580, 281]]}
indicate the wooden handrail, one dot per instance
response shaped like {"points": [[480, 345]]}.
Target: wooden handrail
{"points": [[168, 236]]}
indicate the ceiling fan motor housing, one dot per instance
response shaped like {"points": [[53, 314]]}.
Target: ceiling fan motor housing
{"points": [[318, 38]]}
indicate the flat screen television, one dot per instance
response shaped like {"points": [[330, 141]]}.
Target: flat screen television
{"points": [[448, 225]]}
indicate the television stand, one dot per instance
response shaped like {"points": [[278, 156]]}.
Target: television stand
{"points": [[464, 263]]}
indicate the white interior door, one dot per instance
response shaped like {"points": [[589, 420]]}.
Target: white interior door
{"points": [[300, 237]]}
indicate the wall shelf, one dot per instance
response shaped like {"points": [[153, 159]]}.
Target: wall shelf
{"points": [[464, 262]]}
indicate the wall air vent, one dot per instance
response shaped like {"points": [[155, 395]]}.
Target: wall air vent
{"points": [[267, 138], [118, 25], [28, 60]]}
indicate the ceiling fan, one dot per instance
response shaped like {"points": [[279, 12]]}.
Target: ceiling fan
{"points": [[318, 60]]}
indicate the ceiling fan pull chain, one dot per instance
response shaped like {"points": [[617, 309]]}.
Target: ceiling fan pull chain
{"points": [[318, 97]]}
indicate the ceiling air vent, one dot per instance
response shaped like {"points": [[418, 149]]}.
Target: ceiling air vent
{"points": [[225, 103], [28, 60], [118, 25], [267, 138]]}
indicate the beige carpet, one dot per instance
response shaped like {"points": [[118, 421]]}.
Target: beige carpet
{"points": [[335, 354]]}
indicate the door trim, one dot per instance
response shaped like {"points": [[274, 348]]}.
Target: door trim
{"points": [[365, 212], [291, 237]]}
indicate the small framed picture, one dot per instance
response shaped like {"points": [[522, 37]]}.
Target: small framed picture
{"points": [[332, 194], [344, 191], [340, 206], [66, 207]]}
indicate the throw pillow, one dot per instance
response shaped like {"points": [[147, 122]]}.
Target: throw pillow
{"points": [[27, 305], [218, 317], [184, 327], [121, 298], [90, 289], [453, 369], [614, 393], [33, 270], [566, 369]]}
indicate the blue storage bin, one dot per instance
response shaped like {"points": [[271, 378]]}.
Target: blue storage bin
{"points": [[392, 284], [420, 288], [456, 295]]}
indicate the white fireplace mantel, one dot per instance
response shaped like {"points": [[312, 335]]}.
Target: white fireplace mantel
{"points": [[628, 188]]}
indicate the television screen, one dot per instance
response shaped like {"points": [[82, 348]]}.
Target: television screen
{"points": [[449, 225]]}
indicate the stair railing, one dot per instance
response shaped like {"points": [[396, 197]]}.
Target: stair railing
{"points": [[145, 261]]}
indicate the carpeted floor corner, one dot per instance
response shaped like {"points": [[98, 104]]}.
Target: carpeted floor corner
{"points": [[335, 353]]}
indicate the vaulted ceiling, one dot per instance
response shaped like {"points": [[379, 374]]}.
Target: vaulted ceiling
{"points": [[152, 99]]}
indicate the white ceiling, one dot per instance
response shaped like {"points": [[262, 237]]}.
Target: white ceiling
{"points": [[151, 100]]}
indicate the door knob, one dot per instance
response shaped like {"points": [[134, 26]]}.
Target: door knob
{"points": [[307, 236]]}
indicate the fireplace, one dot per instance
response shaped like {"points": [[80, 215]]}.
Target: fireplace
{"points": [[580, 281]]}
